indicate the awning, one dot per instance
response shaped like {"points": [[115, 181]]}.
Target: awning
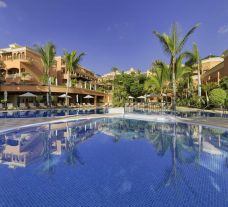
{"points": [[28, 95], [141, 97], [88, 97], [64, 96]]}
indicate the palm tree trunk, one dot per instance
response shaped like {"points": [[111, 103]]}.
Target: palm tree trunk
{"points": [[207, 97], [49, 91], [174, 83], [199, 81], [67, 90]]}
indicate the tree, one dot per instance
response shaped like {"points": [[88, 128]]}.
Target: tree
{"points": [[127, 85], [173, 45], [207, 88], [72, 64], [115, 70], [224, 83], [47, 53], [195, 62], [217, 97], [161, 78]]}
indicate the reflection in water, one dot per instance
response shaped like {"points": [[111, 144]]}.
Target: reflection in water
{"points": [[114, 162], [184, 142], [19, 149]]}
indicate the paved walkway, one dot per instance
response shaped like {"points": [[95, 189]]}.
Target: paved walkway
{"points": [[7, 124]]}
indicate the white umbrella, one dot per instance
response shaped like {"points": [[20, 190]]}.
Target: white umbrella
{"points": [[28, 95], [88, 97], [141, 97], [64, 96], [130, 97]]}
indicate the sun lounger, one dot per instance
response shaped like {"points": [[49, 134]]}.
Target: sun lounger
{"points": [[10, 106], [32, 106], [23, 106], [42, 105], [59, 105]]}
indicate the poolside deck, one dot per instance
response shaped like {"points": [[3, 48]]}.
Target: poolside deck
{"points": [[8, 124]]}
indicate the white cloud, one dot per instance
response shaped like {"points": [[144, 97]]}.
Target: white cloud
{"points": [[3, 4], [223, 29]]}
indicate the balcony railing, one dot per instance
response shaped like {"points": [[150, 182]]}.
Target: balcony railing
{"points": [[23, 59], [18, 75]]}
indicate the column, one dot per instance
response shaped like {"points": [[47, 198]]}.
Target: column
{"points": [[218, 77], [77, 98], [90, 86], [95, 100], [85, 84]]}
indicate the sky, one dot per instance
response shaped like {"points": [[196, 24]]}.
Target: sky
{"points": [[113, 33]]}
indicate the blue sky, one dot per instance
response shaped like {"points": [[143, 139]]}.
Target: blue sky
{"points": [[113, 32]]}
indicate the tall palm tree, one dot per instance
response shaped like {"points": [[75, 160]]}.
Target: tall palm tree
{"points": [[115, 70], [72, 64], [195, 61], [173, 46], [47, 53], [160, 79]]}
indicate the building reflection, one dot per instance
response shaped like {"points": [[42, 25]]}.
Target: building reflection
{"points": [[187, 144], [21, 148]]}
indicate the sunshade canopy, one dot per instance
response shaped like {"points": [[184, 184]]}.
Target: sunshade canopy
{"points": [[88, 96], [141, 97], [130, 97], [64, 96], [28, 94]]}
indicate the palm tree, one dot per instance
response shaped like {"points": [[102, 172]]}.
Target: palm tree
{"points": [[160, 79], [72, 64], [195, 60], [173, 46], [47, 53], [115, 70]]}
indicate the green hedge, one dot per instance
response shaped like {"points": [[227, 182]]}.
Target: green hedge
{"points": [[217, 97]]}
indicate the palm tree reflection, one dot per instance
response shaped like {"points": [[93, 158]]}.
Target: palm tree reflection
{"points": [[48, 164], [72, 154]]}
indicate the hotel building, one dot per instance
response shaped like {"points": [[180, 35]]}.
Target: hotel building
{"points": [[217, 69], [22, 71]]}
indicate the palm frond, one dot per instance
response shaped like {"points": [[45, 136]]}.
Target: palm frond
{"points": [[183, 41]]}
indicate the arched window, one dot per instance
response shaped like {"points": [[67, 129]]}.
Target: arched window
{"points": [[22, 55], [14, 56], [19, 55]]}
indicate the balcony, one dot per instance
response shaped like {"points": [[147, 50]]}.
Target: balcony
{"points": [[18, 77], [20, 59]]}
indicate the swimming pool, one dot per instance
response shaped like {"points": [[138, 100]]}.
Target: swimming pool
{"points": [[114, 162], [49, 113]]}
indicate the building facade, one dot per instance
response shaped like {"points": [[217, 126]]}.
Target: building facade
{"points": [[22, 71], [218, 71]]}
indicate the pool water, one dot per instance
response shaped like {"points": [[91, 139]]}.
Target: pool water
{"points": [[114, 162], [49, 113]]}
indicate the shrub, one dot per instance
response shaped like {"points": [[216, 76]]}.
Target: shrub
{"points": [[217, 97]]}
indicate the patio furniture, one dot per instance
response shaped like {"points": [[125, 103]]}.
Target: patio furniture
{"points": [[32, 106], [59, 105], [22, 106], [10, 106], [72, 105], [42, 105]]}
